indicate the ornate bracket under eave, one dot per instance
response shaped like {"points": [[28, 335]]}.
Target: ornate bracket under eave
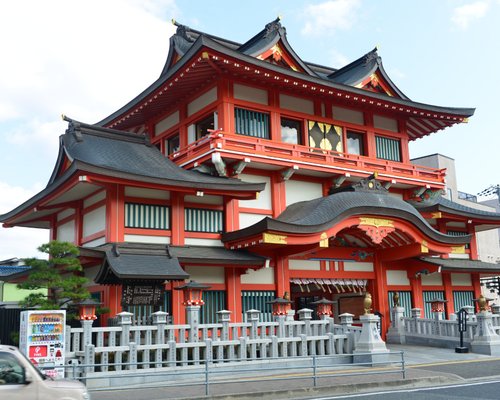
{"points": [[219, 164], [286, 174]]}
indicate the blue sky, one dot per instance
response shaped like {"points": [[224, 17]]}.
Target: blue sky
{"points": [[87, 58]]}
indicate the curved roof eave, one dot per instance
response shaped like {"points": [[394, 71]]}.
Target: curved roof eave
{"points": [[205, 42], [454, 208], [275, 225]]}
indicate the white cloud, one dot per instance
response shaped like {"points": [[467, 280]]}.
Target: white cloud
{"points": [[464, 15], [329, 16], [19, 242], [337, 59]]}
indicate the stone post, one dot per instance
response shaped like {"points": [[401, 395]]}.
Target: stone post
{"points": [[160, 320], [253, 317], [470, 313], [125, 321], [224, 318], [87, 331], [495, 309], [486, 341], [396, 333], [346, 320], [370, 348], [193, 320], [305, 315], [416, 313]]}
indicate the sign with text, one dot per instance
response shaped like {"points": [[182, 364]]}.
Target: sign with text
{"points": [[142, 295]]}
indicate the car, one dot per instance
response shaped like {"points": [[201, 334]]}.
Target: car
{"points": [[21, 380]]}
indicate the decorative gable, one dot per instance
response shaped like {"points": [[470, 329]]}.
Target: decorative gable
{"points": [[278, 56]]}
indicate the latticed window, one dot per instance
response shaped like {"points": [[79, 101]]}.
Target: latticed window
{"points": [[147, 216], [462, 298], [251, 123], [387, 148], [215, 300], [258, 300], [404, 301], [203, 220]]}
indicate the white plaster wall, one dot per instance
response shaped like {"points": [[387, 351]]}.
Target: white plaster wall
{"points": [[65, 213], [461, 279], [206, 274], [204, 100], [147, 193], [388, 124], [66, 232], [459, 256], [431, 280], [488, 246], [348, 115], [217, 200], [247, 219], [94, 199], [297, 104], [263, 276], [147, 239], [310, 265], [358, 266], [95, 242], [397, 278], [247, 93], [167, 123], [203, 242], [301, 191], [264, 199], [94, 221]]}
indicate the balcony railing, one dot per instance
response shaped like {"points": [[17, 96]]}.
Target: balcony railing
{"points": [[239, 148]]}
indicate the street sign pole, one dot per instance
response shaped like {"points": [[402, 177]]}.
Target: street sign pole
{"points": [[462, 327]]}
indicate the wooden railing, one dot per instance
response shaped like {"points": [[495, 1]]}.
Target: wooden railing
{"points": [[286, 154]]}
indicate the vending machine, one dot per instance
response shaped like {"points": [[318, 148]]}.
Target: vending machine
{"points": [[41, 339]]}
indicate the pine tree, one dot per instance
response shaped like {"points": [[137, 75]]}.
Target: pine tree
{"points": [[60, 275]]}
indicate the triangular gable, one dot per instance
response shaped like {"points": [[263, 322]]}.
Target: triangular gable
{"points": [[368, 73], [279, 56]]}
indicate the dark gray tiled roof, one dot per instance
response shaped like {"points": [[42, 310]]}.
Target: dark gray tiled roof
{"points": [[132, 154], [454, 264], [353, 73], [144, 261], [443, 204], [320, 214], [9, 271]]}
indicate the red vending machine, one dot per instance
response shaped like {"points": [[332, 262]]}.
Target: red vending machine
{"points": [[41, 339]]}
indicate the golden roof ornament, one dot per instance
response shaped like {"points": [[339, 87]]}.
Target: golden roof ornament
{"points": [[367, 303]]}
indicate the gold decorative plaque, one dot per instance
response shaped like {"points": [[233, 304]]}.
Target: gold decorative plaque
{"points": [[273, 238]]}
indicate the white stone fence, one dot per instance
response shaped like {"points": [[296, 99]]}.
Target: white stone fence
{"points": [[481, 334], [161, 345]]}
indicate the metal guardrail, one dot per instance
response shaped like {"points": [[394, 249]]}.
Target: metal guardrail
{"points": [[208, 373]]}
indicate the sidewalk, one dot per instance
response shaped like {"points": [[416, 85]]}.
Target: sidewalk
{"points": [[425, 366]]}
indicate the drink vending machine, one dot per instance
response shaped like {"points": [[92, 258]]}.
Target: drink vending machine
{"points": [[41, 339]]}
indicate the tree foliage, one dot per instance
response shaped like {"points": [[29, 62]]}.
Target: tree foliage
{"points": [[60, 274]]}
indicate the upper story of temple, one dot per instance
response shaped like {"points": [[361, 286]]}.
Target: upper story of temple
{"points": [[223, 107]]}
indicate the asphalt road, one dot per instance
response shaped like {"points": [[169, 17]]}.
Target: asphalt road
{"points": [[473, 391]]}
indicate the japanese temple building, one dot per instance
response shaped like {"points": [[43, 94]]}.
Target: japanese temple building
{"points": [[249, 170]]}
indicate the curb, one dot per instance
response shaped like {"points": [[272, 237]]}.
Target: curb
{"points": [[332, 390]]}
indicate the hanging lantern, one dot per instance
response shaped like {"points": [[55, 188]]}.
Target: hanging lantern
{"points": [[86, 309], [280, 306], [193, 293], [437, 304], [324, 307]]}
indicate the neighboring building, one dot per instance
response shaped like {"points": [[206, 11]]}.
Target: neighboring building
{"points": [[12, 270], [327, 204]]}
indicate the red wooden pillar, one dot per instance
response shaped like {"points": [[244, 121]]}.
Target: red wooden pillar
{"points": [[371, 149], [113, 299], [177, 225], [274, 117], [281, 276], [416, 291], [225, 109], [278, 194], [448, 294], [78, 223], [178, 314], [476, 284], [232, 218], [473, 243], [233, 292], [381, 303], [115, 213]]}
